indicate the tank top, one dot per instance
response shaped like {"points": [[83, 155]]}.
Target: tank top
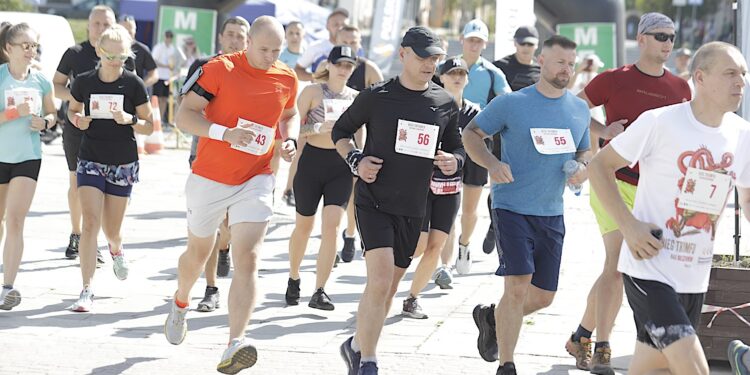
{"points": [[317, 114]]}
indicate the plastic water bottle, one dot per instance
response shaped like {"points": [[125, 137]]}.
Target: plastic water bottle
{"points": [[570, 168]]}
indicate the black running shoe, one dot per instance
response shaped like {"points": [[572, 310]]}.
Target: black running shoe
{"points": [[351, 357], [222, 268], [72, 251], [347, 253], [321, 301], [508, 368], [368, 368], [489, 241], [484, 318], [210, 300], [292, 292], [288, 198]]}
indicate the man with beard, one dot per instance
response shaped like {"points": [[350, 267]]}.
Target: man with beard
{"points": [[541, 128]]}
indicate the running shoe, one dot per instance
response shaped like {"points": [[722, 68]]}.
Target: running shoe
{"points": [[508, 368], [484, 318], [119, 265], [443, 277], [412, 309], [321, 301], [347, 252], [9, 298], [581, 351], [601, 362], [489, 240], [735, 352], [351, 357], [292, 292], [85, 301], [99, 259], [368, 368], [72, 251], [463, 262], [210, 301], [175, 328], [238, 356], [288, 198], [222, 268]]}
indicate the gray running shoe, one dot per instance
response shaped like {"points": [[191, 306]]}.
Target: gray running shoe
{"points": [[238, 356], [412, 309], [175, 328], [9, 298]]}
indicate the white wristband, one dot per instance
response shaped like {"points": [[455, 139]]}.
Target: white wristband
{"points": [[216, 132]]}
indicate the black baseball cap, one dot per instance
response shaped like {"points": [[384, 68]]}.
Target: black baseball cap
{"points": [[526, 34], [423, 41], [342, 53], [453, 63]]}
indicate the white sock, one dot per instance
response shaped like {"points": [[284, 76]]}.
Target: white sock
{"points": [[372, 359], [355, 346]]}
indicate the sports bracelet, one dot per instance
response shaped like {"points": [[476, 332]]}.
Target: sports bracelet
{"points": [[293, 140], [217, 131], [353, 158], [11, 113]]}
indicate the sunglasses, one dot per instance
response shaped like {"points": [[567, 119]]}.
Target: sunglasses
{"points": [[26, 46], [110, 57], [662, 37]]}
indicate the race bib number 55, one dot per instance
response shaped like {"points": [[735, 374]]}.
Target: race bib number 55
{"points": [[417, 139], [552, 141], [264, 137]]}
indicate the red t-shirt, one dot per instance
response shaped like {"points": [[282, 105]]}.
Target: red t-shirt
{"points": [[241, 91], [627, 92]]}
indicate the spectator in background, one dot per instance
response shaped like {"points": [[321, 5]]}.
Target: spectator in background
{"points": [[191, 51], [520, 68], [145, 66], [318, 51], [681, 61], [295, 34], [586, 70], [169, 59]]}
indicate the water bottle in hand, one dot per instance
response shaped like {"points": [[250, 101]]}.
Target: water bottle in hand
{"points": [[570, 168]]}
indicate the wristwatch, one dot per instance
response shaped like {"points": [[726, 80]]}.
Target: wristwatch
{"points": [[135, 120]]}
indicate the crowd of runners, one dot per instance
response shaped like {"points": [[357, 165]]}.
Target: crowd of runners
{"points": [[394, 161]]}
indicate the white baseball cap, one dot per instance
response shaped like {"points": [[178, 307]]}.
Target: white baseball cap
{"points": [[476, 28]]}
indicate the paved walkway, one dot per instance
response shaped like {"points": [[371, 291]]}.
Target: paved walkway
{"points": [[123, 334]]}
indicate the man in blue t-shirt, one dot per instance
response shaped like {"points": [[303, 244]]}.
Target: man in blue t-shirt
{"points": [[541, 127]]}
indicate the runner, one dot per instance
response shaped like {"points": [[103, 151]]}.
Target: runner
{"points": [[76, 60], [443, 200], [318, 51], [232, 173], [541, 128], [321, 173], [232, 38], [406, 117], [109, 106], [691, 155], [28, 96], [625, 93]]}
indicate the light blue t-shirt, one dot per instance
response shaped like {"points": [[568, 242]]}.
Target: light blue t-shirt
{"points": [[478, 89], [289, 58], [18, 143], [538, 179]]}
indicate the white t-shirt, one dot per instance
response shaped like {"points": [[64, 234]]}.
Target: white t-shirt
{"points": [[164, 54], [669, 143], [313, 55]]}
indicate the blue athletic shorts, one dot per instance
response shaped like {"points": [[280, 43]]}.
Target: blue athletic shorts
{"points": [[114, 180], [529, 245]]}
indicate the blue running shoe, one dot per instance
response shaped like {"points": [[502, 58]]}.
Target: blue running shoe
{"points": [[351, 357], [735, 351], [368, 368]]}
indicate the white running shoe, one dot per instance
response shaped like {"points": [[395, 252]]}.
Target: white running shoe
{"points": [[463, 262], [175, 328], [238, 356], [85, 301], [119, 265], [9, 298], [443, 277]]}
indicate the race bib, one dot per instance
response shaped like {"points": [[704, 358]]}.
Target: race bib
{"points": [[445, 186], [20, 95], [264, 137], [553, 141], [102, 105], [334, 108], [704, 191], [417, 139]]}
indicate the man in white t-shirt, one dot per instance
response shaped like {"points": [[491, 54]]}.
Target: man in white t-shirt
{"points": [[690, 158], [318, 51], [169, 59]]}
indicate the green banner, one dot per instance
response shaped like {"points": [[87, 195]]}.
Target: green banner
{"points": [[200, 24], [594, 37]]}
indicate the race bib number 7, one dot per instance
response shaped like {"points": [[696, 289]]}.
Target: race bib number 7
{"points": [[704, 191], [261, 143], [18, 96], [549, 141], [101, 106], [417, 139]]}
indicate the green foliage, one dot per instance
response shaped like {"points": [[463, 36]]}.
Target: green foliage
{"points": [[79, 28], [15, 6]]}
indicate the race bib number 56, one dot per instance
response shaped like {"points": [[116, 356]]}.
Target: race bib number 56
{"points": [[552, 141], [417, 139], [261, 143]]}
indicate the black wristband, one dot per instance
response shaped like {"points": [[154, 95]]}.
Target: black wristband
{"points": [[135, 120], [293, 140], [46, 123], [353, 158]]}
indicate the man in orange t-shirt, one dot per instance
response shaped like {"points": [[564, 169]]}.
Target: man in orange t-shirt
{"points": [[244, 96]]}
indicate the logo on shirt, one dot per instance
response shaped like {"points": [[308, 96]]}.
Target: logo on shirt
{"points": [[539, 140], [434, 109], [402, 135]]}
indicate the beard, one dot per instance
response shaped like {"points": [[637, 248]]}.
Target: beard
{"points": [[559, 83]]}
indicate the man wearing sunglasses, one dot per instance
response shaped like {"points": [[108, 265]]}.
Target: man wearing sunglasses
{"points": [[625, 93]]}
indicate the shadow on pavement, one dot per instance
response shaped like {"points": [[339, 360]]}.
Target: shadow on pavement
{"points": [[118, 368], [156, 215]]}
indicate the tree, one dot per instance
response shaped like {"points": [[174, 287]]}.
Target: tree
{"points": [[15, 5]]}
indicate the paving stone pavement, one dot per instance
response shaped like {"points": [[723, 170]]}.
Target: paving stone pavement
{"points": [[123, 334]]}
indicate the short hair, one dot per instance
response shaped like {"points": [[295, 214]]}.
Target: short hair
{"points": [[126, 18], [268, 24], [559, 40], [116, 33], [348, 29], [102, 8], [705, 57], [294, 23], [236, 20]]}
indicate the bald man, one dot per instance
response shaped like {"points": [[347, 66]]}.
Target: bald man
{"points": [[231, 174]]}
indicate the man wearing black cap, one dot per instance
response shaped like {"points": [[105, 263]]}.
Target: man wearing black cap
{"points": [[318, 51], [520, 68], [406, 118]]}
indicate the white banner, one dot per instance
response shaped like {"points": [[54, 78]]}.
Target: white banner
{"points": [[386, 32], [510, 16]]}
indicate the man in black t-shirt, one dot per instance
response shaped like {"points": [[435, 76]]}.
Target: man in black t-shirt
{"points": [[145, 66], [406, 118], [76, 60]]}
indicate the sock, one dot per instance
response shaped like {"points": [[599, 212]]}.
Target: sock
{"points": [[601, 344], [212, 288], [372, 359], [179, 304], [581, 332], [8, 286], [355, 346]]}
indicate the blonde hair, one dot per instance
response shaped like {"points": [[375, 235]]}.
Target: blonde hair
{"points": [[116, 33]]}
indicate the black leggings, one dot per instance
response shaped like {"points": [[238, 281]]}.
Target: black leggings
{"points": [[321, 173]]}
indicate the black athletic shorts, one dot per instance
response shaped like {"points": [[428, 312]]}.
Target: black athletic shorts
{"points": [[473, 174], [28, 168], [160, 89], [441, 212], [71, 139], [662, 316], [380, 229], [321, 173]]}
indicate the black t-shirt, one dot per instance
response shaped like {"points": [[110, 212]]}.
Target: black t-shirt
{"points": [[403, 182], [518, 75], [357, 80], [79, 59], [144, 61], [105, 141]]}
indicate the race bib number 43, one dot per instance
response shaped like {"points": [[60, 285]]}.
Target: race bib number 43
{"points": [[261, 143], [417, 139], [704, 191], [101, 106], [552, 141]]}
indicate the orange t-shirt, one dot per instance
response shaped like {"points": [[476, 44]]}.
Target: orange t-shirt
{"points": [[241, 91]]}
